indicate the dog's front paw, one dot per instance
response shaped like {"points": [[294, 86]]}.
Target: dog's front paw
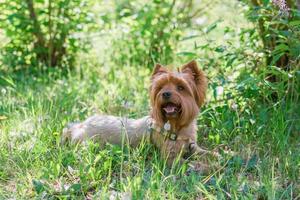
{"points": [[198, 167], [195, 149]]}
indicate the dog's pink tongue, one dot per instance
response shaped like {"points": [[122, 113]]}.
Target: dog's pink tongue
{"points": [[170, 109]]}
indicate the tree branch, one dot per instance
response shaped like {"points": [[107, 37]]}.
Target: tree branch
{"points": [[36, 26]]}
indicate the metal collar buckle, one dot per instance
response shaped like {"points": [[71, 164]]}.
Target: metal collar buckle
{"points": [[168, 134]]}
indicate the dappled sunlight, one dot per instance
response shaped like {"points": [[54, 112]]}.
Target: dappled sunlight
{"points": [[64, 61]]}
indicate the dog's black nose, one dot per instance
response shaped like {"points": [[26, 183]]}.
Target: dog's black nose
{"points": [[166, 95]]}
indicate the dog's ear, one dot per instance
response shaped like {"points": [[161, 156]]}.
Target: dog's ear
{"points": [[192, 68], [158, 69], [199, 79]]}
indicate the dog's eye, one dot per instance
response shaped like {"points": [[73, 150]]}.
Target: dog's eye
{"points": [[180, 88]]}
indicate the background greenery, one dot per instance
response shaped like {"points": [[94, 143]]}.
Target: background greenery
{"points": [[65, 60]]}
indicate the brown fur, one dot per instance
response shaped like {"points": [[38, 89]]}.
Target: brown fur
{"points": [[190, 98], [111, 129]]}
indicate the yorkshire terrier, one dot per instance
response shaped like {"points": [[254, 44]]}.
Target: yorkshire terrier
{"points": [[175, 98]]}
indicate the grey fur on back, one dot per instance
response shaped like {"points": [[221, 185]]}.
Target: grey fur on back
{"points": [[108, 129]]}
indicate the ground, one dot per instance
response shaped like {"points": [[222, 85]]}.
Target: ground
{"points": [[261, 134]]}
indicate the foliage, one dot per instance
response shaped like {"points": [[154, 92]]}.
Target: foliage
{"points": [[278, 26], [256, 135], [43, 32], [262, 136], [150, 31]]}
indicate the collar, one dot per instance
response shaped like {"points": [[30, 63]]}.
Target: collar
{"points": [[168, 134]]}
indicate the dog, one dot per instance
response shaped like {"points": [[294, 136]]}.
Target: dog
{"points": [[175, 99]]}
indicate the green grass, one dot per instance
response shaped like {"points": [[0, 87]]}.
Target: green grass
{"points": [[34, 164], [263, 133]]}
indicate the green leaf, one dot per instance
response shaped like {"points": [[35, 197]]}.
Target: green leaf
{"points": [[230, 61], [295, 23], [38, 186], [295, 50], [212, 26], [75, 187], [276, 58], [220, 49], [266, 2], [187, 53], [190, 37], [280, 49]]}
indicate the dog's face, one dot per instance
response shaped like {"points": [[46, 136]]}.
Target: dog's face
{"points": [[177, 96]]}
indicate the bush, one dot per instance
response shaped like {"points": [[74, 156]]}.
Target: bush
{"points": [[43, 32], [150, 31], [278, 25]]}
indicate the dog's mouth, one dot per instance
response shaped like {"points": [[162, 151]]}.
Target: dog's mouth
{"points": [[171, 109]]}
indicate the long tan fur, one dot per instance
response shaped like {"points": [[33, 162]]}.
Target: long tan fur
{"points": [[175, 98]]}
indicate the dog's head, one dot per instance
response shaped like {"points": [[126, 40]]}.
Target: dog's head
{"points": [[177, 96]]}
